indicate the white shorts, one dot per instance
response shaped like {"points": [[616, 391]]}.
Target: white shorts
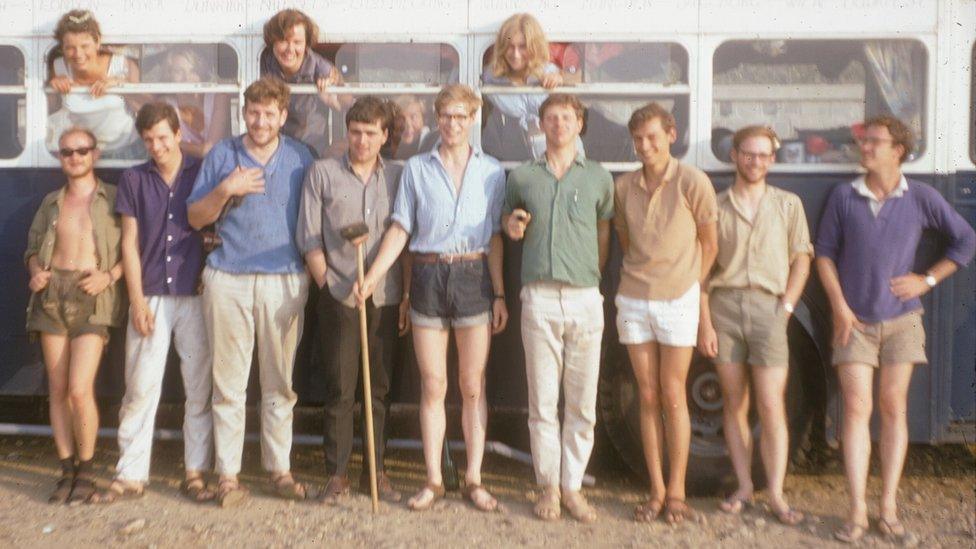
{"points": [[670, 322]]}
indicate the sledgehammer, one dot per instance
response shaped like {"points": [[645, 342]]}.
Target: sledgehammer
{"points": [[352, 233]]}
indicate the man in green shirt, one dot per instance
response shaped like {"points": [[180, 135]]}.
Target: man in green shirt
{"points": [[561, 205]]}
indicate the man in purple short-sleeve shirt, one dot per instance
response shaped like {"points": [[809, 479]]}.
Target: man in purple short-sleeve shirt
{"points": [[865, 249], [162, 257]]}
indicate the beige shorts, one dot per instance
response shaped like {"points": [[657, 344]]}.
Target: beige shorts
{"points": [[900, 340], [751, 327]]}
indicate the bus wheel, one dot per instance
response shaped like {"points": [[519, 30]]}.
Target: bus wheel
{"points": [[709, 468]]}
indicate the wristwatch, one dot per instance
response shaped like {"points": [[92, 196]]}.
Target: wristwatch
{"points": [[930, 280]]}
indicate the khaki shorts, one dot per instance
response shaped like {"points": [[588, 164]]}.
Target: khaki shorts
{"points": [[751, 327], [62, 308], [900, 340]]}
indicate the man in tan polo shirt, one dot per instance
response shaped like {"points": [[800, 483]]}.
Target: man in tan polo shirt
{"points": [[665, 217], [762, 265]]}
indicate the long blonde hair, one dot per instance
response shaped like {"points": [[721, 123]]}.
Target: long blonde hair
{"points": [[536, 45]]}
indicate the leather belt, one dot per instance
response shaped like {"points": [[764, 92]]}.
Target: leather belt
{"points": [[448, 258]]}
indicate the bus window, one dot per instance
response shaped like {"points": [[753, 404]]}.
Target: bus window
{"points": [[612, 79], [815, 93], [13, 103], [199, 80], [408, 74]]}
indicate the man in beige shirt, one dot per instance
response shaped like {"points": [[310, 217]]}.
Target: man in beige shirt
{"points": [[762, 265], [665, 219]]}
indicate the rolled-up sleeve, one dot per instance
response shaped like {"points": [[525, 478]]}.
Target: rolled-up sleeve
{"points": [[799, 231], [308, 235], [405, 206], [830, 231], [945, 219]]}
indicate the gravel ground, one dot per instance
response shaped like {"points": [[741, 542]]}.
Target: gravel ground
{"points": [[937, 494]]}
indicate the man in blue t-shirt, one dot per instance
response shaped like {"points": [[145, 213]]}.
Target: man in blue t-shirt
{"points": [[865, 249], [254, 283]]}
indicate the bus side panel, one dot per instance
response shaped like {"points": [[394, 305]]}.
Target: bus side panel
{"points": [[962, 404]]}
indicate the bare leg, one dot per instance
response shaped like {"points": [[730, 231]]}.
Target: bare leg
{"points": [[56, 353], [769, 385], [892, 405], [430, 345], [473, 343], [675, 362], [855, 382], [734, 379], [644, 360], [86, 354]]}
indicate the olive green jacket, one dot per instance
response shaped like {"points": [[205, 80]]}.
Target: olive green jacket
{"points": [[110, 305]]}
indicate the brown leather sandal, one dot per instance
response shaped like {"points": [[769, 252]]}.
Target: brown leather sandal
{"points": [[468, 492], [436, 489], [285, 486], [197, 490], [230, 493], [117, 491]]}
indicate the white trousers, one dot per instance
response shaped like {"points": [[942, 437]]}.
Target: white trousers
{"points": [[178, 318], [562, 329], [238, 307]]}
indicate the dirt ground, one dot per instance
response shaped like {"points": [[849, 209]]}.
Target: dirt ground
{"points": [[937, 495]]}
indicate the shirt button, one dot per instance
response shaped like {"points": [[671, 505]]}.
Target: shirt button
{"points": [[171, 195], [168, 259], [367, 211], [169, 279], [170, 216], [169, 238]]}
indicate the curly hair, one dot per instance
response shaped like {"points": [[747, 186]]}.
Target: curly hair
{"points": [[536, 45]]}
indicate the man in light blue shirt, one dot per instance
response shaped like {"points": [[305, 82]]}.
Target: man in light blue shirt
{"points": [[254, 283], [449, 207]]}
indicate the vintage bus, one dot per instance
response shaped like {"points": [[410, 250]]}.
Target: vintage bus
{"points": [[811, 69]]}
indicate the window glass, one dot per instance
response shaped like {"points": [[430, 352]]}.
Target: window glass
{"points": [[816, 93], [424, 67], [13, 103], [510, 128], [207, 113]]}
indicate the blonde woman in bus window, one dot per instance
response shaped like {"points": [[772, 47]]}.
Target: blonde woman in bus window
{"points": [[288, 56], [81, 60], [520, 57], [204, 117]]}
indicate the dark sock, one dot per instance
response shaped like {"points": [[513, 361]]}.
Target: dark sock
{"points": [[68, 467], [84, 469]]}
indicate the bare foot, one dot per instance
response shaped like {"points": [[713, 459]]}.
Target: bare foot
{"points": [[578, 507]]}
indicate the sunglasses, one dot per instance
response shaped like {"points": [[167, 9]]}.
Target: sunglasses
{"points": [[80, 151]]}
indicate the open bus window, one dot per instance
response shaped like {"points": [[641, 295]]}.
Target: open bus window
{"points": [[814, 93], [409, 74], [612, 79], [199, 80], [13, 103]]}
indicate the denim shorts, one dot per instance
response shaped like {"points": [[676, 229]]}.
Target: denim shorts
{"points": [[457, 294]]}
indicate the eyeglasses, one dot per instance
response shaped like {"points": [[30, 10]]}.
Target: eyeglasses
{"points": [[450, 117], [749, 156], [873, 141], [80, 151]]}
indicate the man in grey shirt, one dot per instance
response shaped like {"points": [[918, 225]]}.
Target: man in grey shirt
{"points": [[357, 188]]}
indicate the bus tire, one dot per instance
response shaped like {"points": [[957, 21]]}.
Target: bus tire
{"points": [[709, 468]]}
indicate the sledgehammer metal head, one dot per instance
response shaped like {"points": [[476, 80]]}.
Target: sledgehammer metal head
{"points": [[354, 231]]}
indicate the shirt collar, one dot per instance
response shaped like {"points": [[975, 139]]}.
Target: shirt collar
{"points": [[670, 173], [435, 153], [579, 160], [860, 185], [380, 164], [185, 163], [100, 190]]}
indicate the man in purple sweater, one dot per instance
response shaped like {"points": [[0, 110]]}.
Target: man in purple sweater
{"points": [[865, 249]]}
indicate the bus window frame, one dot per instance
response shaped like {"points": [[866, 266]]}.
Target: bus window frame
{"points": [[42, 158], [924, 163], [689, 42], [23, 158], [972, 105], [384, 89]]}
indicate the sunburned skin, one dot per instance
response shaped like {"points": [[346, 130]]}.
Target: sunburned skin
{"points": [[74, 247]]}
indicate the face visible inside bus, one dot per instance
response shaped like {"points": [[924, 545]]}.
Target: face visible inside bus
{"points": [[753, 158], [80, 51], [365, 140], [78, 154], [652, 143], [290, 52], [516, 53], [561, 126], [264, 121], [413, 122], [162, 143], [454, 123], [181, 69], [878, 151]]}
